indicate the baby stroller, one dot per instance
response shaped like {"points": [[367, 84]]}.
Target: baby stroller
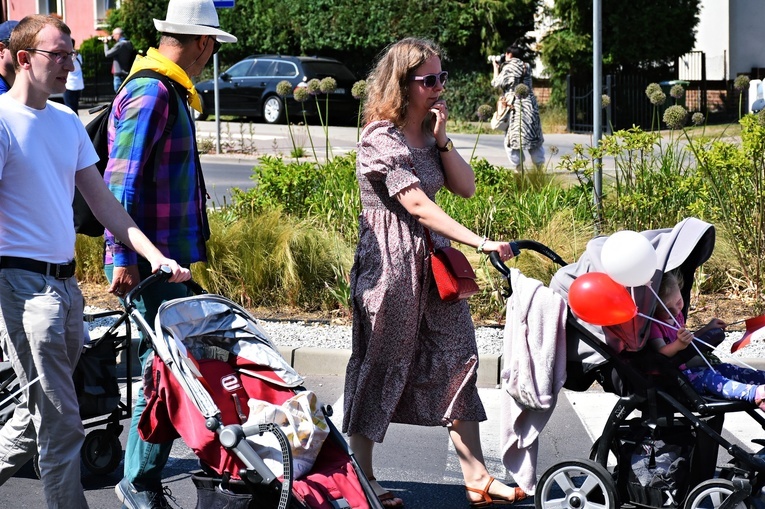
{"points": [[98, 394], [212, 364], [664, 435]]}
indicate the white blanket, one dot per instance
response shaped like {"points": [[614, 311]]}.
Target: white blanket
{"points": [[534, 370]]}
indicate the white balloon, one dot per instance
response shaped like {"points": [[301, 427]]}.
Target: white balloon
{"points": [[629, 258]]}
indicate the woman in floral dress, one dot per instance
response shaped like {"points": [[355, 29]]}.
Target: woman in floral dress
{"points": [[524, 131], [414, 356]]}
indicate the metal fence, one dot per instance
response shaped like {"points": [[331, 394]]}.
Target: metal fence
{"points": [[99, 84], [629, 105]]}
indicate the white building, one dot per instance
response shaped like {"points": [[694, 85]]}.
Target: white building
{"points": [[729, 34]]}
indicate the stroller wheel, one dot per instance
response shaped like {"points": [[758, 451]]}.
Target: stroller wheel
{"points": [[576, 484], [711, 494], [101, 452]]}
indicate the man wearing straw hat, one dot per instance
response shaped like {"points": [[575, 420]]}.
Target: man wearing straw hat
{"points": [[160, 184], [44, 153]]}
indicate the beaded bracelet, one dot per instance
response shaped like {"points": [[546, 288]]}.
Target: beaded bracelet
{"points": [[479, 249]]}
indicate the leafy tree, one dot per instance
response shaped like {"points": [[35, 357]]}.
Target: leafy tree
{"points": [[636, 36], [136, 18], [356, 32]]}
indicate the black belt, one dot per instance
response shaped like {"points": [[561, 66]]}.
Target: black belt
{"points": [[57, 270]]}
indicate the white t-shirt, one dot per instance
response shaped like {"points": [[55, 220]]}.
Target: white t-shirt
{"points": [[74, 80], [40, 152]]}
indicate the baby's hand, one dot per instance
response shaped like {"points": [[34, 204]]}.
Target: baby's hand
{"points": [[685, 337]]}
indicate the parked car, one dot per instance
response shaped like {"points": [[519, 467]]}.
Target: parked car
{"points": [[248, 88]]}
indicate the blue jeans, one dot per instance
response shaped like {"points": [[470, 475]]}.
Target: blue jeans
{"points": [[726, 381], [144, 461], [41, 330], [118, 82]]}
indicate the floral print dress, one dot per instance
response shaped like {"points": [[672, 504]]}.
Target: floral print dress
{"points": [[414, 356]]}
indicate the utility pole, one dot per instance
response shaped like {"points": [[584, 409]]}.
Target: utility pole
{"points": [[597, 110]]}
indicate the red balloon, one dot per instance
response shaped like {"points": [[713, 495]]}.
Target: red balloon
{"points": [[597, 299]]}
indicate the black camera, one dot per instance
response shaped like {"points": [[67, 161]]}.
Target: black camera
{"points": [[500, 59]]}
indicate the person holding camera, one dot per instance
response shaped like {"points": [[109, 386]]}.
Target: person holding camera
{"points": [[524, 129], [122, 55]]}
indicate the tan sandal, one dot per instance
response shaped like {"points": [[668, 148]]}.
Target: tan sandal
{"points": [[495, 501], [387, 496]]}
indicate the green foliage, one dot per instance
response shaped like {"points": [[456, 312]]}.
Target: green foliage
{"points": [[280, 186], [736, 177], [136, 18], [655, 185], [666, 31], [89, 253], [466, 91], [271, 259], [328, 193], [93, 59], [290, 240], [507, 204], [356, 32]]}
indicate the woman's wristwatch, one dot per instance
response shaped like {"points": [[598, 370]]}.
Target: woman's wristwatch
{"points": [[448, 147]]}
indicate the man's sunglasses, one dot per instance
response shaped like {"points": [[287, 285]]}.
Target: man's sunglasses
{"points": [[216, 44], [429, 80]]}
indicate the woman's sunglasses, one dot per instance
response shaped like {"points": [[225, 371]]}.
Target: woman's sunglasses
{"points": [[429, 80]]}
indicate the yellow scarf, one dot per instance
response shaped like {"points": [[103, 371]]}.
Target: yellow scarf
{"points": [[156, 61]]}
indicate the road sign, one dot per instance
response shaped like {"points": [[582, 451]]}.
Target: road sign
{"points": [[223, 4]]}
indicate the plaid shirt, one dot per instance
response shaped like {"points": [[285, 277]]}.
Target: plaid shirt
{"points": [[163, 194]]}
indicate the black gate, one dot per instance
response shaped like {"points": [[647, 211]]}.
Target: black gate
{"points": [[628, 106]]}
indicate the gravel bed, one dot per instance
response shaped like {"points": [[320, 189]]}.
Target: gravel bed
{"points": [[489, 339]]}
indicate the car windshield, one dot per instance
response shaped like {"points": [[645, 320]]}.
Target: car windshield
{"points": [[323, 69]]}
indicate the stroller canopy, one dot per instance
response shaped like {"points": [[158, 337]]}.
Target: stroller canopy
{"points": [[685, 247]]}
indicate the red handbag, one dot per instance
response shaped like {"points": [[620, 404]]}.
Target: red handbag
{"points": [[454, 276]]}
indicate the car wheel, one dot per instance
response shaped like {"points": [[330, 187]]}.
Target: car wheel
{"points": [[273, 110], [202, 115]]}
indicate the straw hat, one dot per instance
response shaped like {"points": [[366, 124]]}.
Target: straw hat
{"points": [[192, 17]]}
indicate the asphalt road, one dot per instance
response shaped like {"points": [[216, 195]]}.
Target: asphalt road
{"points": [[251, 140], [418, 464]]}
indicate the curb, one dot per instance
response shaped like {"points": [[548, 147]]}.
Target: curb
{"points": [[313, 361]]}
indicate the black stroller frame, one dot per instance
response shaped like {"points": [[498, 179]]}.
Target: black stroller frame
{"points": [[101, 451], [667, 402]]}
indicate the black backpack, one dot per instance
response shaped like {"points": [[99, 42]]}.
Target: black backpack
{"points": [[84, 220]]}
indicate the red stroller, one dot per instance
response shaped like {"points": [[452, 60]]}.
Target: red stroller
{"points": [[211, 359]]}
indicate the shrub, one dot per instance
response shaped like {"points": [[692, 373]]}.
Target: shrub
{"points": [[272, 260]]}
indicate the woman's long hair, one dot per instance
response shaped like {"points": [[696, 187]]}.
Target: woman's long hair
{"points": [[388, 83]]}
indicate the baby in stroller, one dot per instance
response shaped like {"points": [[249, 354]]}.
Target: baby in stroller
{"points": [[723, 380]]}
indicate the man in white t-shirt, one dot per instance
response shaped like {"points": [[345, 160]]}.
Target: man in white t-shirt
{"points": [[74, 84], [44, 153]]}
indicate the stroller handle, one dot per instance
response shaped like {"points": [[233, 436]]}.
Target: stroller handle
{"points": [[528, 245], [163, 274]]}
